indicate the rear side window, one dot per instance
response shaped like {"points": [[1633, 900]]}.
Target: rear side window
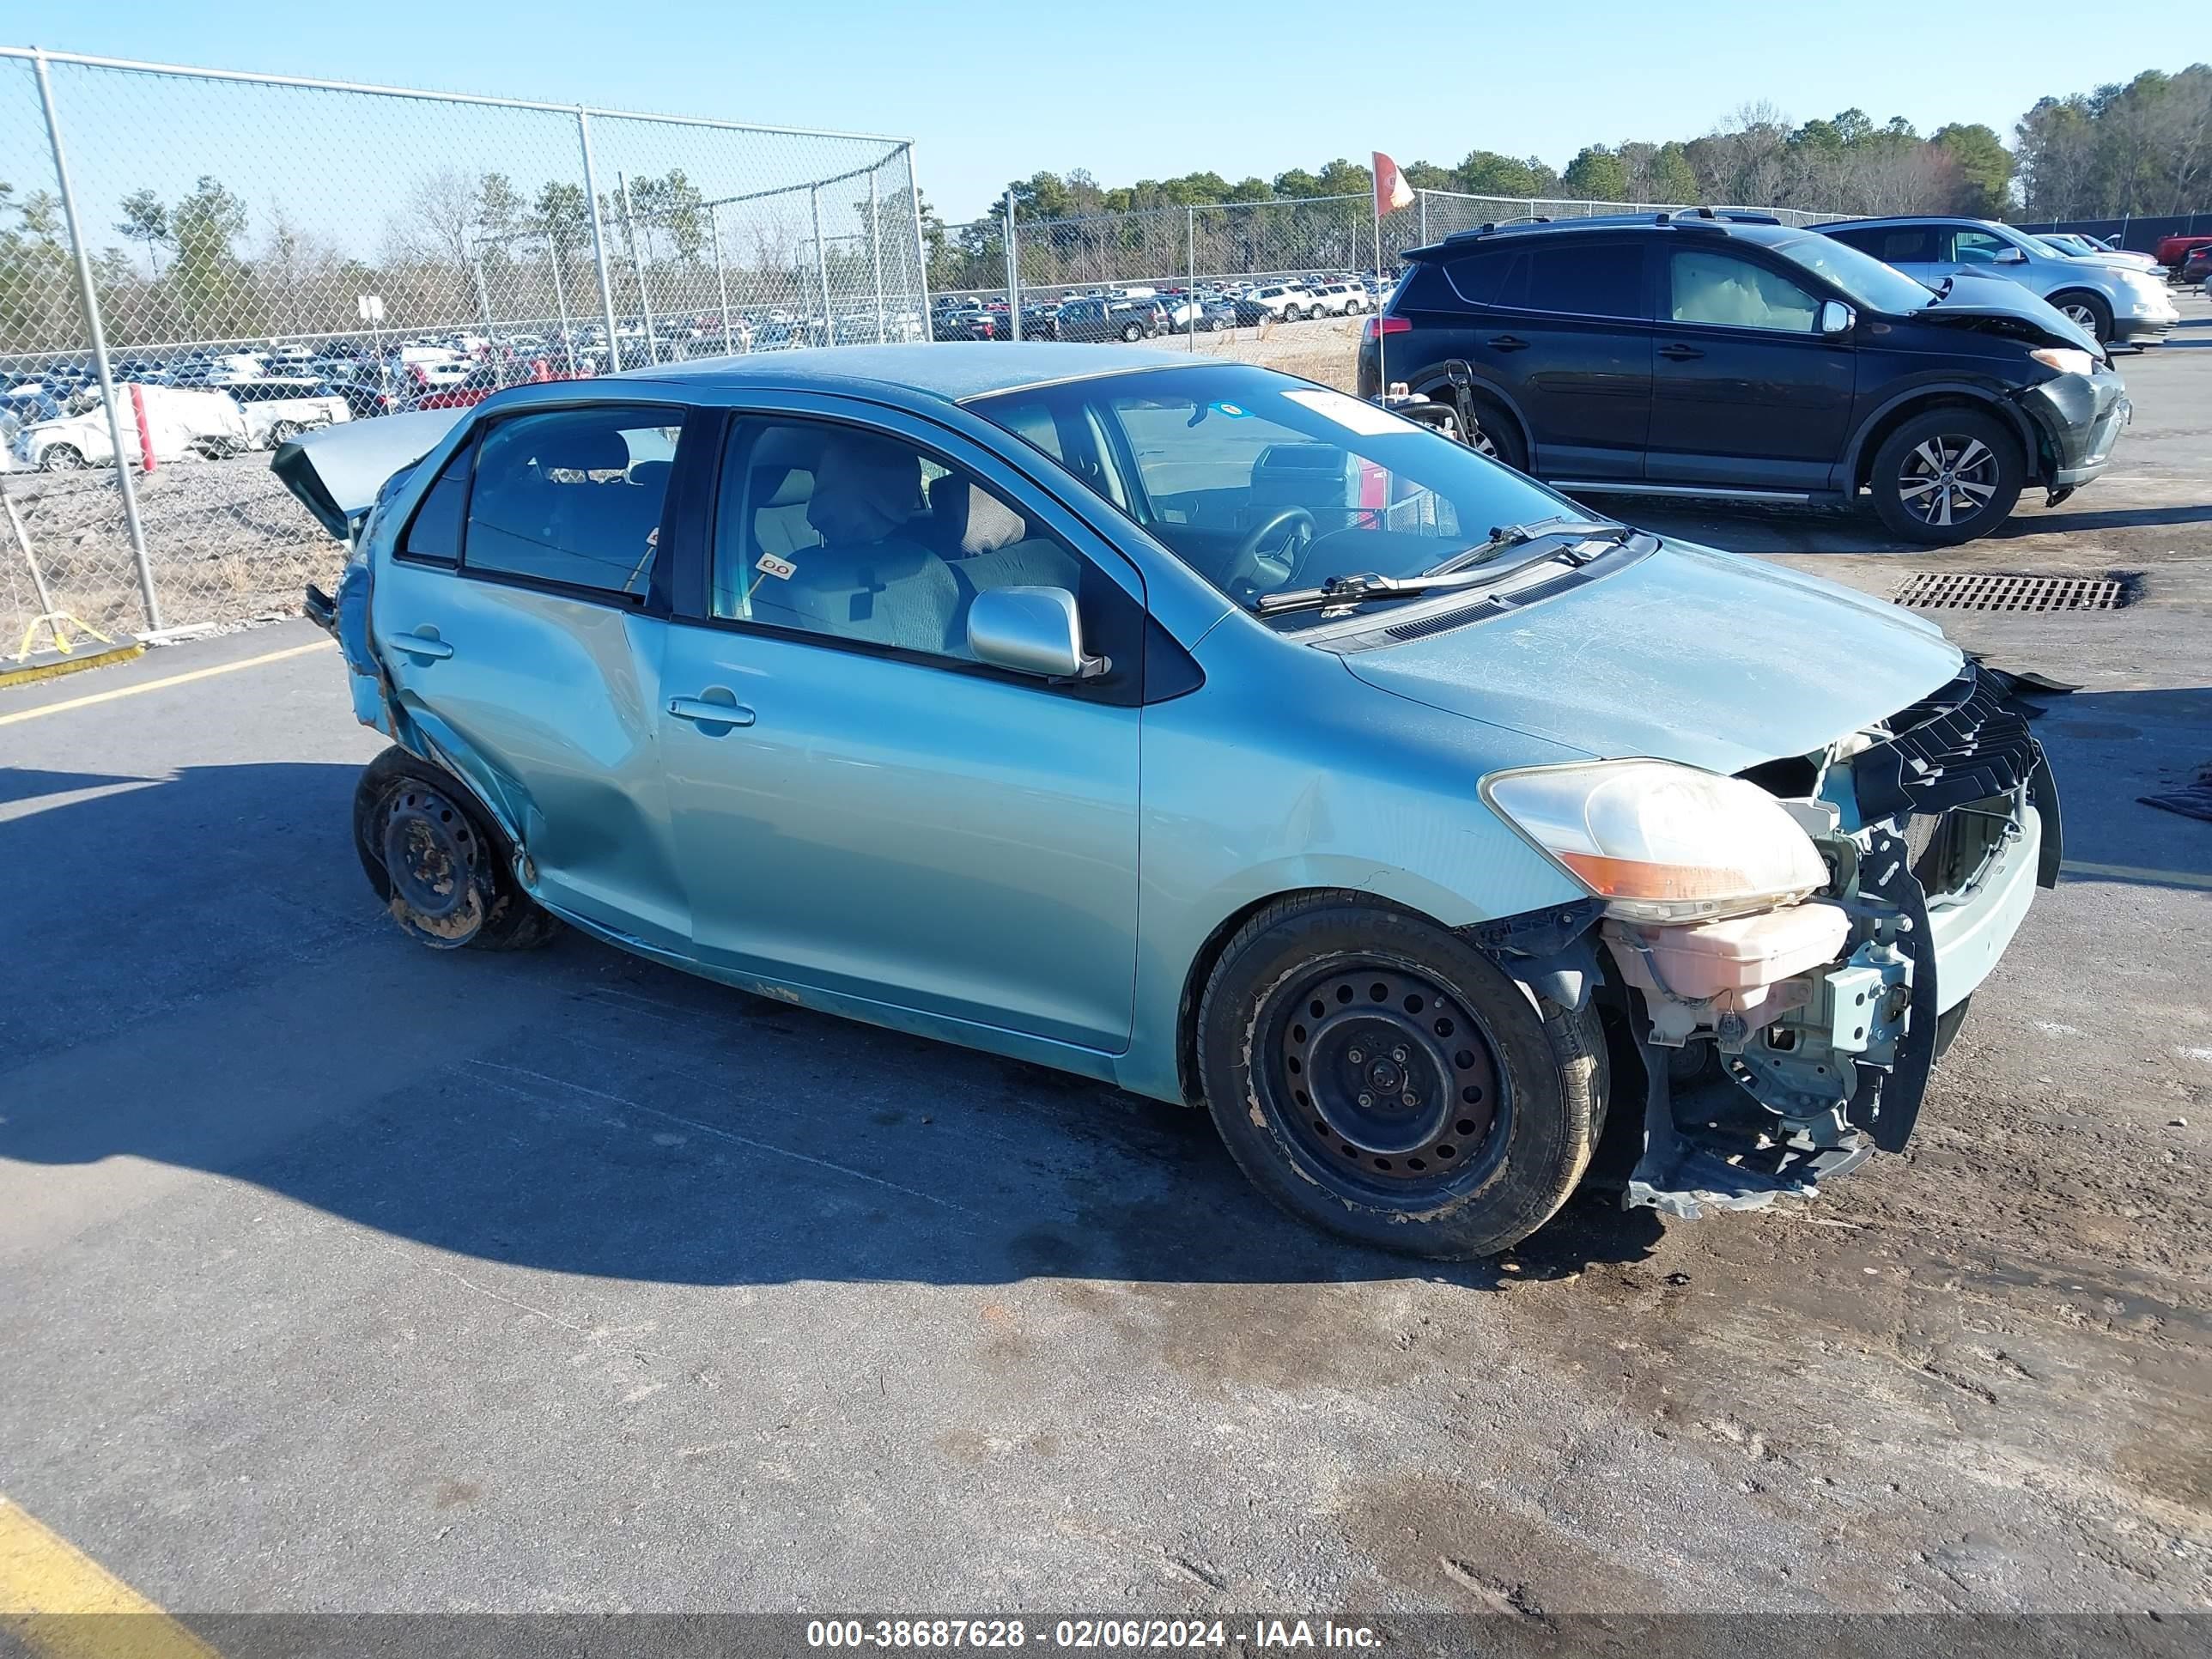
{"points": [[574, 497], [1578, 278], [1895, 244], [434, 532]]}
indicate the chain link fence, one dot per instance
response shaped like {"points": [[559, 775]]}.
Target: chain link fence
{"points": [[197, 265], [1237, 251]]}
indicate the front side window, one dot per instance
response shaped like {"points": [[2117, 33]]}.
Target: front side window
{"points": [[572, 496], [1711, 287], [1259, 481], [1978, 248], [863, 536]]}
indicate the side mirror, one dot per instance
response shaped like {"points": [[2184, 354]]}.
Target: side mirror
{"points": [[1031, 630], [2012, 256], [1836, 318]]}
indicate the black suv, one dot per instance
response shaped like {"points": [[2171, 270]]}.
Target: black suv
{"points": [[1711, 354]]}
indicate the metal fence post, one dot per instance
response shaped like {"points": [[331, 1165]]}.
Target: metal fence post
{"points": [[822, 265], [637, 266], [1013, 274], [921, 244], [721, 276], [598, 240], [560, 305], [1191, 252], [875, 248], [1421, 199], [90, 297]]}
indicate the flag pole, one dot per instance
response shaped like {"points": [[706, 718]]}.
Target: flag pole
{"points": [[1381, 369]]}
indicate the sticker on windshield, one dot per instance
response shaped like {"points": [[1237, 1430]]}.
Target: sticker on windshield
{"points": [[781, 569], [1348, 412], [1234, 411]]}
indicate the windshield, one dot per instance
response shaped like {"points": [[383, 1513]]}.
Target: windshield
{"points": [[1871, 285], [1261, 483]]}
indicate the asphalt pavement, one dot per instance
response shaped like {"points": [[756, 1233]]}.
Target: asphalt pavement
{"points": [[340, 1275]]}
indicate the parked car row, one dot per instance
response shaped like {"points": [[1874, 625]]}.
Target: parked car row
{"points": [[178, 421], [1913, 363]]}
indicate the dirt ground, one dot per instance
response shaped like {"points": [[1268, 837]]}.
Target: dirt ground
{"points": [[336, 1275]]}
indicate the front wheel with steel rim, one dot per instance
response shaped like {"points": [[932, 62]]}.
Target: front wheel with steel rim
{"points": [[1379, 1075], [61, 458], [443, 870], [1947, 477]]}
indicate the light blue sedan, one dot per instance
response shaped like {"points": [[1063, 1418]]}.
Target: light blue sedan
{"points": [[1198, 730]]}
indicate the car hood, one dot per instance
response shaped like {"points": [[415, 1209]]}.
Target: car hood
{"points": [[1974, 294], [1691, 655]]}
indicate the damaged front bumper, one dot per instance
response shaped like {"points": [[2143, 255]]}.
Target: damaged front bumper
{"points": [[1782, 1049]]}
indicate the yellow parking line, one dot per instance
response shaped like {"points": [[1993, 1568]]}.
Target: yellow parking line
{"points": [[169, 680], [61, 1604], [2136, 872]]}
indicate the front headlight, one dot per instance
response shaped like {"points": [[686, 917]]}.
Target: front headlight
{"points": [[1660, 842], [2065, 359]]}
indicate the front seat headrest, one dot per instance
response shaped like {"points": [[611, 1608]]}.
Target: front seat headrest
{"points": [[971, 520], [863, 490]]}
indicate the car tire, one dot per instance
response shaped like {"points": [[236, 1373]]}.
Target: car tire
{"points": [[2089, 311], [1974, 450], [1132, 332], [1499, 437], [283, 433], [1501, 1097], [61, 458], [459, 889], [1293, 314]]}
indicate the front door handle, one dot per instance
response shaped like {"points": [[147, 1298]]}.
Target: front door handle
{"points": [[427, 646], [708, 712], [1678, 353], [1508, 342]]}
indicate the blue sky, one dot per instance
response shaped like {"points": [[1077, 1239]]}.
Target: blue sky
{"points": [[992, 91]]}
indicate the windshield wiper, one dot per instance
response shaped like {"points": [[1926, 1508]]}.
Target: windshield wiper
{"points": [[1454, 573], [1506, 537]]}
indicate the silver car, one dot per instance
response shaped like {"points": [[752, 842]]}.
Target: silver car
{"points": [[2119, 306]]}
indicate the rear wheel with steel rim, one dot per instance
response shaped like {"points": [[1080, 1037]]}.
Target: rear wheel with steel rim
{"points": [[1947, 477], [443, 870], [1377, 1075]]}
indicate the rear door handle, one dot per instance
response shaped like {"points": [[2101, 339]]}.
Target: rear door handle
{"points": [[1680, 354], [1508, 343], [427, 646], [707, 712]]}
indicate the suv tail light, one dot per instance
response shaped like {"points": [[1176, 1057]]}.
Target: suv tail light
{"points": [[1376, 327]]}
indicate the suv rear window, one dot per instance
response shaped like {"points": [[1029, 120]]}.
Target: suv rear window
{"points": [[1581, 279]]}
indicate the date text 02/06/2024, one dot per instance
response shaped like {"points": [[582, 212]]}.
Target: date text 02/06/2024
{"points": [[1111, 1634]]}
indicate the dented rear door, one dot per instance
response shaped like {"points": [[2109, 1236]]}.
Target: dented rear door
{"points": [[516, 622]]}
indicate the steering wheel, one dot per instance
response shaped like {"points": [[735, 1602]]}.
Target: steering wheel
{"points": [[1244, 564]]}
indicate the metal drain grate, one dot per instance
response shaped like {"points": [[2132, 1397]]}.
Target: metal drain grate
{"points": [[1929, 590]]}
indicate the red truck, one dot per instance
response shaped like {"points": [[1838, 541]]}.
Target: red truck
{"points": [[2172, 250]]}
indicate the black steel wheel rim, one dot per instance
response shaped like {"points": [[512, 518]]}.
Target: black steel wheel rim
{"points": [[1383, 1078], [430, 851], [1947, 479]]}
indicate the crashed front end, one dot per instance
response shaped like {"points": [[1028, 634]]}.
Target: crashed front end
{"points": [[1783, 1046]]}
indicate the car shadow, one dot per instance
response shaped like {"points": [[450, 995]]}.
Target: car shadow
{"points": [[196, 974], [221, 991]]}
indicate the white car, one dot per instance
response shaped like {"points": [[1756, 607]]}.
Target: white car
{"points": [[2078, 246], [179, 421], [279, 408], [1343, 299], [1285, 302]]}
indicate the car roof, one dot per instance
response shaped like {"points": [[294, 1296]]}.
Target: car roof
{"points": [[1746, 227], [1912, 219], [953, 371]]}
